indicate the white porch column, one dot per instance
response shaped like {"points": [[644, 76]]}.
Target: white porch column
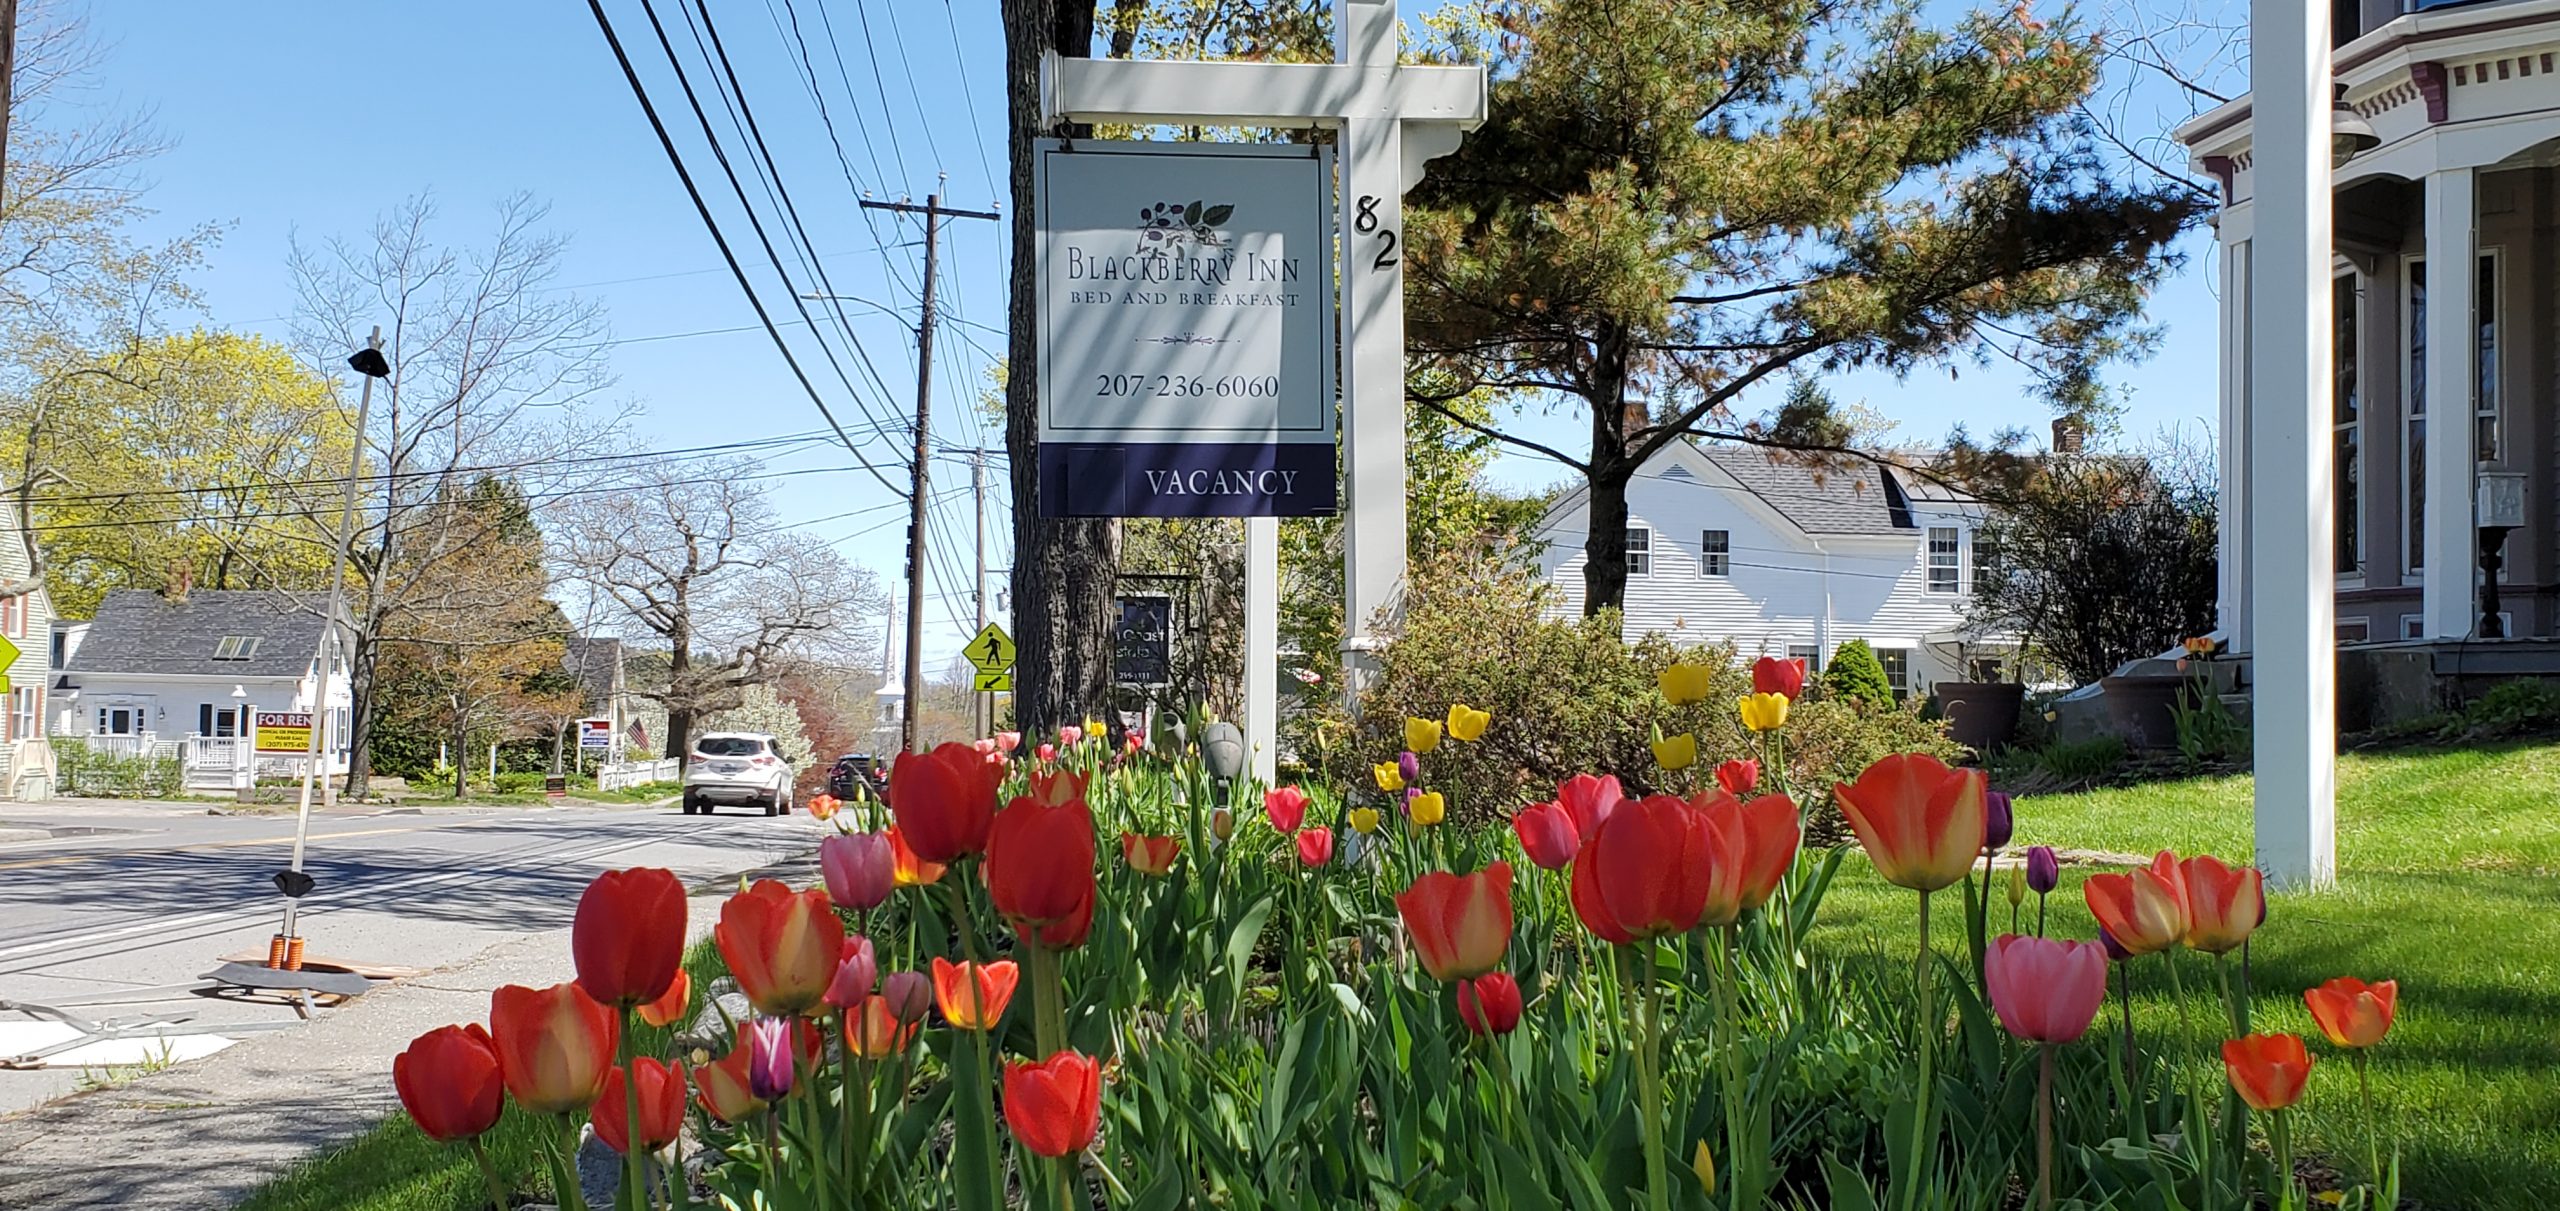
{"points": [[2453, 359], [1262, 648], [2232, 564], [2293, 606], [1373, 403]]}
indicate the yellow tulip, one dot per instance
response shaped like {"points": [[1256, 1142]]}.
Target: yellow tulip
{"points": [[1428, 808], [1390, 779], [1421, 735], [1764, 712], [1683, 684], [1466, 722], [1677, 752], [1703, 1163], [1364, 819]]}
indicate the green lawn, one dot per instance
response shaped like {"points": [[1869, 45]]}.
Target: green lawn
{"points": [[2449, 882]]}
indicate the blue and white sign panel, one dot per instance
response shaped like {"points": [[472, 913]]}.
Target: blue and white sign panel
{"points": [[1186, 330]]}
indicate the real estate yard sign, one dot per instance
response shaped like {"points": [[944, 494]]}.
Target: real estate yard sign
{"points": [[595, 734], [283, 732], [1186, 330]]}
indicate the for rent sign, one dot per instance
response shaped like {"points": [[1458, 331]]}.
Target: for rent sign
{"points": [[1186, 330], [283, 732]]}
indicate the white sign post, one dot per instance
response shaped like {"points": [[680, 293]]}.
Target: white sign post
{"points": [[1394, 119]]}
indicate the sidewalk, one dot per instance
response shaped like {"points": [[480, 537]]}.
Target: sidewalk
{"points": [[209, 1133]]}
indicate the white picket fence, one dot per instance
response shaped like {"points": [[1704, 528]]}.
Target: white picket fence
{"points": [[626, 774]]}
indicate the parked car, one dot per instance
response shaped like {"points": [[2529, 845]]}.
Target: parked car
{"points": [[741, 768], [857, 771]]}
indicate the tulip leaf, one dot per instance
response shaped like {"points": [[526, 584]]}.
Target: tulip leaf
{"points": [[1163, 1194], [1521, 1182], [1240, 944], [1849, 1191], [1350, 1000], [975, 1165]]}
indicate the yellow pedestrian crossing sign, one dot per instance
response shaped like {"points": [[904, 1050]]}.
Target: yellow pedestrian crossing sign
{"points": [[9, 656], [992, 652]]}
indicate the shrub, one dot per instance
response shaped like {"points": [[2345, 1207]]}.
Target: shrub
{"points": [[1857, 675], [79, 769], [1568, 696], [2104, 558], [2082, 760], [2523, 705]]}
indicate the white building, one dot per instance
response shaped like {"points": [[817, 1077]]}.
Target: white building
{"points": [[26, 622], [183, 676], [1733, 543]]}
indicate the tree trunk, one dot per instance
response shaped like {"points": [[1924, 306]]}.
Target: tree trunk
{"points": [[1065, 569], [360, 715], [1604, 542], [461, 751]]}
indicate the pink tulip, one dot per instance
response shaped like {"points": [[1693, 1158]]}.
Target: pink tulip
{"points": [[1547, 835], [984, 744], [1046, 753], [1286, 807], [2046, 990], [1070, 736], [855, 974], [1589, 801], [860, 869], [1006, 742]]}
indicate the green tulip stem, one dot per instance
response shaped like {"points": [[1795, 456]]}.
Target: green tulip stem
{"points": [[813, 1132], [1742, 1162], [2372, 1136], [2039, 914], [1048, 996], [498, 1197], [960, 909], [2200, 1140], [2044, 1127], [1649, 1089], [849, 1076], [635, 1166], [1109, 1179], [564, 1168], [2282, 1134], [1929, 1026], [2238, 1004]]}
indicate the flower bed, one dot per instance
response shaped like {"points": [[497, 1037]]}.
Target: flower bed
{"points": [[1117, 991]]}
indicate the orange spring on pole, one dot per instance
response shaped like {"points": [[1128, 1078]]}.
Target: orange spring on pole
{"points": [[277, 952], [293, 955]]}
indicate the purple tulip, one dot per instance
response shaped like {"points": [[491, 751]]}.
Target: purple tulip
{"points": [[910, 994], [1999, 822], [2044, 869], [855, 974], [2115, 950], [1410, 766], [769, 1058], [858, 868]]}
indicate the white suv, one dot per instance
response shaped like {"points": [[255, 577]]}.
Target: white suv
{"points": [[736, 767]]}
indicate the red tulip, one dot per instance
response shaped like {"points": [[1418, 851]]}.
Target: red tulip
{"points": [[1150, 855], [628, 937], [661, 1088], [1490, 1003], [726, 1090], [1547, 835], [1070, 931], [945, 801], [1057, 788], [874, 1031], [1055, 1106], [2351, 1012], [1772, 675], [1460, 923], [1285, 807], [1763, 835], [2045, 990], [1589, 801], [2224, 905], [861, 870], [1315, 846], [1739, 776], [973, 995], [782, 946], [2145, 910], [1040, 858], [1921, 823], [554, 1045], [1651, 869], [2268, 1070], [668, 1009], [448, 1081]]}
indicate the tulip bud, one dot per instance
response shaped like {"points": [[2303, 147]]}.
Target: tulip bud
{"points": [[855, 974], [1999, 821], [2115, 949], [909, 995], [2044, 869], [769, 1071], [1703, 1163], [2017, 885], [1222, 823], [1409, 766]]}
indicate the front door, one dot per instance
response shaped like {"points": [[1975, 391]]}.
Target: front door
{"points": [[119, 721]]}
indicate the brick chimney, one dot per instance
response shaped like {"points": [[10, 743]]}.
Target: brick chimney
{"points": [[2067, 435], [182, 577]]}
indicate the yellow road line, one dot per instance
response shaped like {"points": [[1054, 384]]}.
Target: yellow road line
{"points": [[286, 839]]}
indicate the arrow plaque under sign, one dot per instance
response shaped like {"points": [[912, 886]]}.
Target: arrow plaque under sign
{"points": [[991, 682]]}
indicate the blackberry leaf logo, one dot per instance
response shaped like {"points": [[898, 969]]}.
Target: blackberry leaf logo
{"points": [[1171, 223]]}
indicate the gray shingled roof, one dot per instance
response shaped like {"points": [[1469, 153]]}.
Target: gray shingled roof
{"points": [[138, 631], [593, 660], [1859, 498]]}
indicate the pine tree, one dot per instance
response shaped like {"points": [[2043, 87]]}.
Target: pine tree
{"points": [[1856, 674]]}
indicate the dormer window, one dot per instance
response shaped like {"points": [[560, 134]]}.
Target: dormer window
{"points": [[236, 647]]}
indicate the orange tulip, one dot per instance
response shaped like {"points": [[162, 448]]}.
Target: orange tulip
{"points": [[669, 1009], [723, 1087], [2224, 905], [628, 937], [1055, 1106], [448, 1082], [905, 868], [554, 1045], [874, 1031], [1764, 836], [1652, 868], [1922, 823], [2144, 910], [661, 1088], [1460, 923], [782, 946], [1150, 855], [1040, 856], [2268, 1070], [973, 995], [945, 800], [2351, 1012]]}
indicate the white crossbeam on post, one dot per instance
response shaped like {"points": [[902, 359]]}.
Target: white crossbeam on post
{"points": [[1394, 119]]}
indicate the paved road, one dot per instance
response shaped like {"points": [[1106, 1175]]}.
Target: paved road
{"points": [[116, 902]]}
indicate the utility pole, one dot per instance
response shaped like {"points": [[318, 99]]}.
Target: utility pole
{"points": [[932, 210], [983, 704]]}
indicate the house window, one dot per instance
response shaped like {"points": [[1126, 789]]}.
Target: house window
{"points": [[25, 707], [2413, 477], [1986, 563], [119, 721], [2413, 626], [1715, 553], [236, 647], [1810, 654], [1897, 669], [2344, 421], [1944, 551], [13, 615], [2354, 630], [2485, 389], [1639, 551]]}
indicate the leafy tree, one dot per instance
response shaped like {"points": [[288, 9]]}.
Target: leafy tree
{"points": [[2107, 558], [761, 709], [1675, 200], [1856, 675]]}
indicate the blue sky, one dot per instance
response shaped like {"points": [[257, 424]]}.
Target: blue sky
{"points": [[309, 119]]}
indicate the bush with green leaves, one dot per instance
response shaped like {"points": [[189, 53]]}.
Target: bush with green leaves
{"points": [[1856, 674]]}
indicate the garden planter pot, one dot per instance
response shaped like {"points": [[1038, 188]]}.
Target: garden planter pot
{"points": [[2144, 709], [1981, 715]]}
